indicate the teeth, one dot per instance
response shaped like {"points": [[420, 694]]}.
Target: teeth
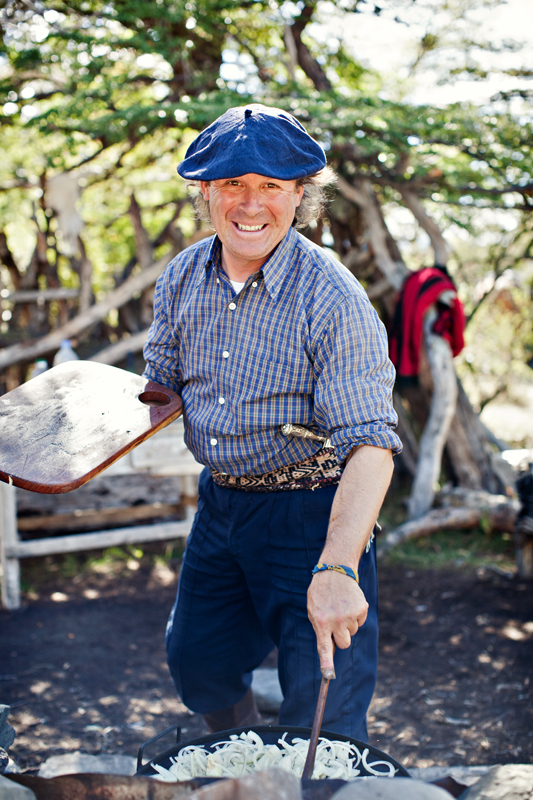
{"points": [[249, 227]]}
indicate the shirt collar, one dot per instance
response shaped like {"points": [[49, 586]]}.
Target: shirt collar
{"points": [[277, 266], [274, 269], [213, 256]]}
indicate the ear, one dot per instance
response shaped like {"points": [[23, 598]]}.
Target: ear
{"points": [[204, 188], [299, 194]]}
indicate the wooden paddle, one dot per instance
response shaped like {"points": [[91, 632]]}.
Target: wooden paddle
{"points": [[66, 426], [327, 675]]}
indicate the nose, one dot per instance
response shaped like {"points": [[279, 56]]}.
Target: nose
{"points": [[251, 202]]}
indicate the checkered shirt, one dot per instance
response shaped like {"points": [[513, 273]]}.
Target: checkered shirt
{"points": [[300, 343]]}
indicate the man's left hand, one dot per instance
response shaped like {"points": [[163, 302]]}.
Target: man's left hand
{"points": [[337, 608]]}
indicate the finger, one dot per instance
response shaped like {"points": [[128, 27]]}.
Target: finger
{"points": [[342, 638], [325, 654], [361, 617], [329, 674]]}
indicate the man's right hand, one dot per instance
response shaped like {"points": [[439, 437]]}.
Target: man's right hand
{"points": [[337, 608]]}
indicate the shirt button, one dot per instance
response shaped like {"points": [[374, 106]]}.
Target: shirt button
{"points": [[218, 280], [214, 442], [225, 354], [254, 284], [232, 306], [221, 401]]}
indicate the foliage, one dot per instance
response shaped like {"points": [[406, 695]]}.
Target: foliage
{"points": [[464, 550], [114, 91], [131, 74], [500, 304], [40, 577]]}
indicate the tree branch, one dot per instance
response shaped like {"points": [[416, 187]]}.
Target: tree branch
{"points": [[423, 183], [310, 65], [362, 195], [502, 263], [143, 249], [290, 45], [168, 233], [440, 246]]}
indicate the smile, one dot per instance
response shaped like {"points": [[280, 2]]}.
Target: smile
{"points": [[242, 227]]}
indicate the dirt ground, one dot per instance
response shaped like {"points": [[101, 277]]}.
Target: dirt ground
{"points": [[83, 665]]}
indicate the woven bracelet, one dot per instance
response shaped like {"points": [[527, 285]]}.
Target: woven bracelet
{"points": [[337, 568]]}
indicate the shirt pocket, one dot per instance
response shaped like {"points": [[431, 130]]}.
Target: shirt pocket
{"points": [[274, 374]]}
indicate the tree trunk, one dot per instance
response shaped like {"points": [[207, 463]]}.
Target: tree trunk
{"points": [[468, 448], [409, 454], [467, 442], [443, 403], [6, 258]]}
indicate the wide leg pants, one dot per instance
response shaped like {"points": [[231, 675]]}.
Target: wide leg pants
{"points": [[242, 591]]}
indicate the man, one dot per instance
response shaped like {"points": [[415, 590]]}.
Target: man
{"points": [[257, 328]]}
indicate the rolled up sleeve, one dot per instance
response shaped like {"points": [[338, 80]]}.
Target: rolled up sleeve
{"points": [[354, 380], [161, 348]]}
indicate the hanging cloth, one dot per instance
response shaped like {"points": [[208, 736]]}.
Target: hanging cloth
{"points": [[421, 290]]}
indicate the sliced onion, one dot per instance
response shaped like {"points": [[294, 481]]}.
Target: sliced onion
{"points": [[246, 753]]}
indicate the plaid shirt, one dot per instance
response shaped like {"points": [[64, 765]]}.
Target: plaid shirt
{"points": [[300, 343]]}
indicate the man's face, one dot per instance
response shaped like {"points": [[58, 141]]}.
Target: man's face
{"points": [[251, 215]]}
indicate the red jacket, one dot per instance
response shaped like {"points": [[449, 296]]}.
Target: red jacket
{"points": [[419, 292]]}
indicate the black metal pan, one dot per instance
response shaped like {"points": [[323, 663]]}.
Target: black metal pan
{"points": [[270, 734]]}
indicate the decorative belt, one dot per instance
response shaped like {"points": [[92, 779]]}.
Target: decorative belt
{"points": [[321, 469]]}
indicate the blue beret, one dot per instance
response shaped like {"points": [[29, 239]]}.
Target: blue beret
{"points": [[253, 139]]}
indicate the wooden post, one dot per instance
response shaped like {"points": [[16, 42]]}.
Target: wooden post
{"points": [[443, 403], [524, 551], [189, 495], [8, 539], [524, 524]]}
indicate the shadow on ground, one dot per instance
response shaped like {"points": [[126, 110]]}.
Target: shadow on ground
{"points": [[86, 670]]}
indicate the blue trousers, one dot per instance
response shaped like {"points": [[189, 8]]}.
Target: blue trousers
{"points": [[242, 590]]}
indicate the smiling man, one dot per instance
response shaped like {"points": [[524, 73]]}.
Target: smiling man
{"points": [[251, 215], [259, 330]]}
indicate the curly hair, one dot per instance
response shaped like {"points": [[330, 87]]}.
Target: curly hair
{"points": [[311, 206]]}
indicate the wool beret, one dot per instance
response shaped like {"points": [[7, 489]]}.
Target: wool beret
{"points": [[253, 139]]}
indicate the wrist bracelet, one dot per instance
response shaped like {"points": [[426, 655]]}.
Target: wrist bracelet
{"points": [[337, 568]]}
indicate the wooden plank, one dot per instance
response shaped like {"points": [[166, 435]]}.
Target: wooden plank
{"points": [[64, 427], [167, 449], [29, 350], [119, 350], [45, 296], [8, 541], [91, 518], [100, 539]]}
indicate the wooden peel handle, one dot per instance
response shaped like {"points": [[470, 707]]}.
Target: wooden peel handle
{"points": [[327, 675]]}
